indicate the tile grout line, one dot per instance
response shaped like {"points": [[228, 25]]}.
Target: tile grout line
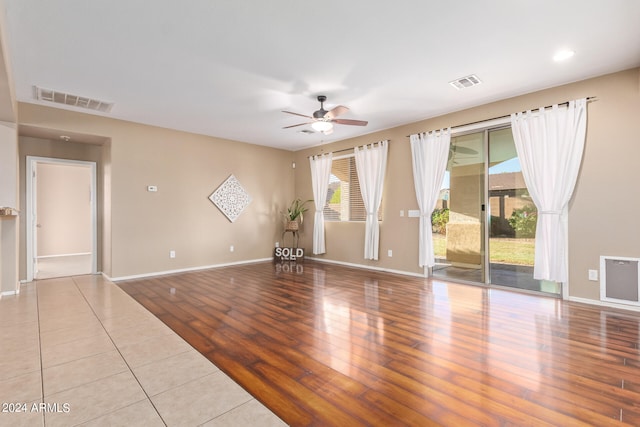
{"points": [[40, 349], [71, 361], [218, 370], [235, 407], [252, 398], [96, 290], [121, 355]]}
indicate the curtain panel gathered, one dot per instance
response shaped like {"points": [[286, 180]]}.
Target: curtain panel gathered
{"points": [[371, 164], [429, 152], [550, 143], [320, 173]]}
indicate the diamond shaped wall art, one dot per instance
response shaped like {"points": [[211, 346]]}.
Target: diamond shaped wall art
{"points": [[231, 198]]}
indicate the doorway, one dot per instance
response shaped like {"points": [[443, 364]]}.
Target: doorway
{"points": [[61, 218], [484, 223]]}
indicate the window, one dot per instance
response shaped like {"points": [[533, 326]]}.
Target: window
{"points": [[344, 200]]}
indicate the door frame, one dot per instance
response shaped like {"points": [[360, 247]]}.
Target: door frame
{"points": [[31, 206]]}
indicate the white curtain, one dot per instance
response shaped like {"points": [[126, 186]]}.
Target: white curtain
{"points": [[371, 163], [430, 152], [320, 172], [550, 144]]}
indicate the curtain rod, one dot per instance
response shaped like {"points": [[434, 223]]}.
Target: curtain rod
{"points": [[589, 99], [337, 151], [344, 149]]}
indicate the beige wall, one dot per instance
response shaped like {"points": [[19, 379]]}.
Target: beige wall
{"points": [[598, 224], [9, 226], [186, 168], [9, 198], [9, 169]]}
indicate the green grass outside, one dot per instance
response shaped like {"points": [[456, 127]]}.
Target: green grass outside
{"points": [[502, 250]]}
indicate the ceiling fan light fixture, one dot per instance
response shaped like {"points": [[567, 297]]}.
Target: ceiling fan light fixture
{"points": [[323, 120], [322, 126]]}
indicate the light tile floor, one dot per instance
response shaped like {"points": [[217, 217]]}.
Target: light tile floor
{"points": [[61, 266], [80, 351]]}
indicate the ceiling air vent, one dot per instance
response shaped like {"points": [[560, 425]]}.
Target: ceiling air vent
{"points": [[50, 95], [465, 82], [306, 131]]}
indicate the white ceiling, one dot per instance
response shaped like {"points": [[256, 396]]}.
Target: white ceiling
{"points": [[227, 68]]}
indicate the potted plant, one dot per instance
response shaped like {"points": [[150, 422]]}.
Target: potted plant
{"points": [[295, 214]]}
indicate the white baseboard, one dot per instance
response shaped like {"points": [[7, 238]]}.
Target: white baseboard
{"points": [[604, 303], [63, 255], [9, 293], [184, 270], [369, 267], [16, 291]]}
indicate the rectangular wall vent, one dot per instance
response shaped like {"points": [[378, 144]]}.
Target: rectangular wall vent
{"points": [[465, 82], [50, 95], [620, 280]]}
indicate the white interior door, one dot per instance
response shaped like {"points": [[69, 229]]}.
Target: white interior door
{"points": [[61, 218]]}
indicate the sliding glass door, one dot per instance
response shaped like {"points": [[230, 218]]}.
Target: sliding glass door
{"points": [[459, 220], [485, 221], [512, 217]]}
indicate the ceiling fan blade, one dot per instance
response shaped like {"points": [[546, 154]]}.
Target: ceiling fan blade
{"points": [[335, 112], [350, 122], [464, 150], [299, 124], [298, 114]]}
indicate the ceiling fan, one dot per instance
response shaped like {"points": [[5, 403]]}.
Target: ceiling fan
{"points": [[323, 120], [454, 154]]}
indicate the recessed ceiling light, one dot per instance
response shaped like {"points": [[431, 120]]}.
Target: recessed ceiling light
{"points": [[563, 54]]}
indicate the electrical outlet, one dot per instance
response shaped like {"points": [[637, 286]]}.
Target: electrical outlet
{"points": [[593, 275], [172, 254], [389, 253], [231, 248], [277, 244]]}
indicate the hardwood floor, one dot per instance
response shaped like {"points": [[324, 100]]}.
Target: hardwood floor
{"points": [[323, 344]]}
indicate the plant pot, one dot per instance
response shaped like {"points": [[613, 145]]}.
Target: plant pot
{"points": [[292, 226]]}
